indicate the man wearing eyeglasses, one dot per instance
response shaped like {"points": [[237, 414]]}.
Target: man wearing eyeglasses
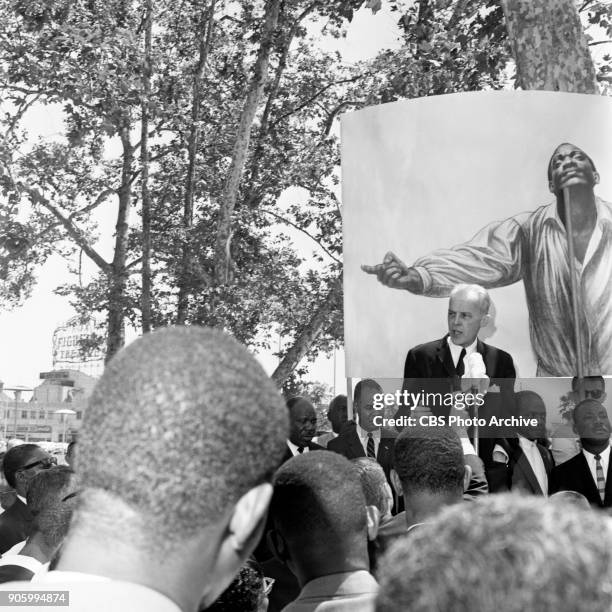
{"points": [[20, 465], [565, 444]]}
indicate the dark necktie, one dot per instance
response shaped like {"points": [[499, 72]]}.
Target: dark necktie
{"points": [[601, 481], [370, 448], [459, 368], [300, 449]]}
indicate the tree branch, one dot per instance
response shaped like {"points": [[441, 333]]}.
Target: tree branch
{"points": [[301, 229], [73, 231]]}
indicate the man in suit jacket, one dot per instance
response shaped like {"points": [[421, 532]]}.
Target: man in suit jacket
{"points": [[521, 462], [20, 465], [589, 471], [363, 438], [437, 367], [302, 427]]}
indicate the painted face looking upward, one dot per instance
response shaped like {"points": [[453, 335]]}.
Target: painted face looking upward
{"points": [[570, 166]]}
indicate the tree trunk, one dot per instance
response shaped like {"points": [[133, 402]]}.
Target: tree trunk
{"points": [[118, 276], [309, 333], [184, 280], [145, 299], [241, 144], [549, 46]]}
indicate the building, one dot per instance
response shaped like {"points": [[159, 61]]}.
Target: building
{"points": [[55, 411], [72, 347]]}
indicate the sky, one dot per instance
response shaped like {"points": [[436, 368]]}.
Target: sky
{"points": [[26, 332]]}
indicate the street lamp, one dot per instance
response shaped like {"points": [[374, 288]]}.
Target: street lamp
{"points": [[64, 412]]}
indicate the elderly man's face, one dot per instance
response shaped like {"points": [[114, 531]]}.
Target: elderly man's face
{"points": [[302, 423], [465, 318], [591, 421], [570, 166]]}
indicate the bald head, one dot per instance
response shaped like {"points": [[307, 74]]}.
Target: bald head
{"points": [[162, 428]]}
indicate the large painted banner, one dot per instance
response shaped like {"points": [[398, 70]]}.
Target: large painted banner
{"points": [[469, 188]]}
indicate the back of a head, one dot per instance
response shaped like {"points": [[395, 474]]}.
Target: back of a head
{"points": [[503, 552], [51, 500], [245, 593], [183, 422], [15, 459], [373, 483], [430, 460], [318, 499]]}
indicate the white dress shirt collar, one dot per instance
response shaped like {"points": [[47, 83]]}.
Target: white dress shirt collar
{"points": [[294, 448], [456, 349]]}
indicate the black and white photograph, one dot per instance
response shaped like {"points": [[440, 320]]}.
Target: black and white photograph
{"points": [[305, 305]]}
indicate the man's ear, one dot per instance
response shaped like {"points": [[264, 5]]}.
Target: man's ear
{"points": [[373, 516], [248, 519], [596, 178], [396, 482], [467, 476], [244, 530], [485, 320]]}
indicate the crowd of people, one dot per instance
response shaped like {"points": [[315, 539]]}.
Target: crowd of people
{"points": [[195, 486]]}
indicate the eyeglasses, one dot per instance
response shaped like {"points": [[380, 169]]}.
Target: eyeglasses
{"points": [[593, 393], [268, 584], [45, 463]]}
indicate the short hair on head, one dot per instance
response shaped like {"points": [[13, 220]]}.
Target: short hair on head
{"points": [[245, 592], [599, 379], [317, 496], [429, 459], [364, 383], [293, 401], [373, 483], [46, 501], [503, 552], [549, 172], [481, 294], [338, 403], [161, 432], [571, 497], [523, 394], [15, 459]]}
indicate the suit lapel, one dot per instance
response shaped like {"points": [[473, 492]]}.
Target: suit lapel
{"points": [[354, 444], [591, 490], [487, 358], [443, 355], [522, 463], [608, 494]]}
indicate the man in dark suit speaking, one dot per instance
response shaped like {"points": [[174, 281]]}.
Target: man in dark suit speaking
{"points": [[437, 367], [589, 471], [434, 369]]}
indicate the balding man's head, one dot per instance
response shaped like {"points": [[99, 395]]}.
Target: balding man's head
{"points": [[503, 552], [180, 433]]}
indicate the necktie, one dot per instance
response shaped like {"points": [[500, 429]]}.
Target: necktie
{"points": [[601, 481], [459, 368], [300, 449], [370, 448]]}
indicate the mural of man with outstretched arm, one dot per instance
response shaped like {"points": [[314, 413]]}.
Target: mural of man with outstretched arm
{"points": [[533, 247]]}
